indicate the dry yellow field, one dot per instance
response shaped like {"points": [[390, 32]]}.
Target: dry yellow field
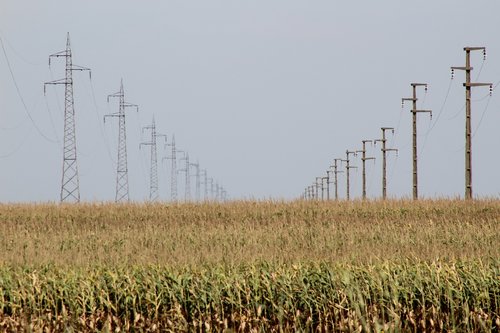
{"points": [[246, 232], [252, 266]]}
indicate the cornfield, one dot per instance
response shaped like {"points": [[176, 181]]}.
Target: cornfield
{"points": [[251, 267]]}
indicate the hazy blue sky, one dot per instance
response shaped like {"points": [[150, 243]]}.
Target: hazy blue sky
{"points": [[264, 93]]}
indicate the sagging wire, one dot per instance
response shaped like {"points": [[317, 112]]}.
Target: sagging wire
{"points": [[21, 97], [52, 122], [482, 117], [21, 144], [18, 54], [440, 112], [103, 132]]}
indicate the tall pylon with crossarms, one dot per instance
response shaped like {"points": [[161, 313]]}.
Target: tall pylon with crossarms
{"points": [[70, 185], [122, 194], [153, 179], [173, 171]]}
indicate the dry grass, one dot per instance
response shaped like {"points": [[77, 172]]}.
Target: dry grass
{"points": [[251, 266], [246, 232]]}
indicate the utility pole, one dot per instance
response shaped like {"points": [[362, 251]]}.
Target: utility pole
{"points": [[414, 111], [468, 135], [363, 160], [317, 187], [347, 168], [205, 184], [197, 175], [70, 185], [121, 194], [335, 173], [187, 186], [324, 180], [173, 171], [153, 174], [328, 182], [384, 163]]}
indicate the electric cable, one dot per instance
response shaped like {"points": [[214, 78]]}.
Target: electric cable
{"points": [[21, 97]]}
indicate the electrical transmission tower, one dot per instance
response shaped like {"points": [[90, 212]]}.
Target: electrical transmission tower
{"points": [[468, 135], [347, 168], [153, 173], [122, 194], [384, 162], [211, 188], [205, 184], [197, 175], [173, 171], [363, 160], [187, 186], [217, 191], [70, 187], [414, 111]]}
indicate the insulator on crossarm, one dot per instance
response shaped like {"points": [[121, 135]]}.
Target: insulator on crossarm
{"points": [[452, 73], [484, 54], [425, 89], [491, 90]]}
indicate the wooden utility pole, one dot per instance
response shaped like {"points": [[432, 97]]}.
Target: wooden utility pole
{"points": [[323, 188], [335, 172], [347, 168], [328, 182], [468, 135], [384, 162], [317, 187], [364, 159], [414, 111]]}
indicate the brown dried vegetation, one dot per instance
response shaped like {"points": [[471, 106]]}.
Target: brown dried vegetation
{"points": [[251, 266]]}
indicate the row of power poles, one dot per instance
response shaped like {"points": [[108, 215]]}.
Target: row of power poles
{"points": [[322, 184], [70, 189]]}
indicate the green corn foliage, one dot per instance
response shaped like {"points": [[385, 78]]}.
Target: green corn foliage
{"points": [[406, 296]]}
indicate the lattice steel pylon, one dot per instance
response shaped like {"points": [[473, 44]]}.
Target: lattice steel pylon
{"points": [[187, 186], [153, 179], [197, 175], [70, 185], [122, 194], [173, 171], [205, 183]]}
